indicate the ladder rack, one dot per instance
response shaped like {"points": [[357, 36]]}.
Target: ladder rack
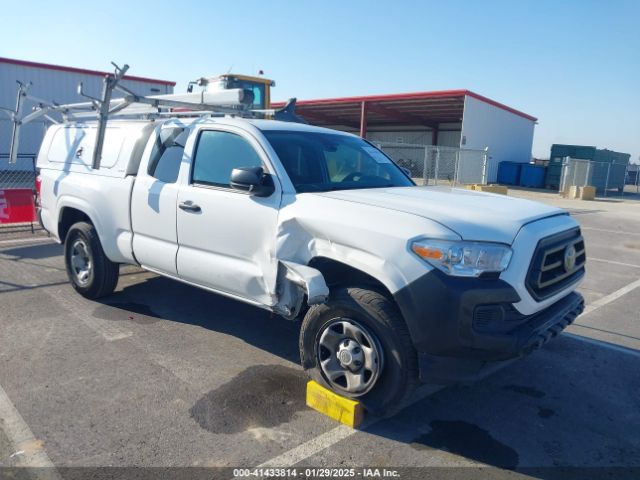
{"points": [[234, 102]]}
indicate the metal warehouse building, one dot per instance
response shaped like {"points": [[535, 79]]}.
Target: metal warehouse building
{"points": [[52, 83], [452, 118]]}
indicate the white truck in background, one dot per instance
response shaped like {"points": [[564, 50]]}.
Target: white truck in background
{"points": [[396, 283]]}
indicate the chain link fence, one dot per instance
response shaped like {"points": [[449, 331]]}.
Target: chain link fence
{"points": [[438, 165], [21, 174], [17, 195], [633, 177], [604, 176]]}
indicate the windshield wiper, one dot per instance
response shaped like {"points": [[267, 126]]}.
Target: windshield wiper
{"points": [[359, 187]]}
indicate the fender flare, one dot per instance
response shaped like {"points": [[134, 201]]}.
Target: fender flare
{"points": [[67, 201]]}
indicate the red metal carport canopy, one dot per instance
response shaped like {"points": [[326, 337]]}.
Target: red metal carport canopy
{"points": [[428, 109]]}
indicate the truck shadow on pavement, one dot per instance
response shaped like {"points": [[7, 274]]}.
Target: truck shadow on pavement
{"points": [[159, 298], [32, 252], [573, 404]]}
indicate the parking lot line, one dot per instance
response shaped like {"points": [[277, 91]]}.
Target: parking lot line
{"points": [[74, 304], [612, 262], [32, 453], [310, 448], [617, 232], [333, 436], [603, 344], [27, 240], [601, 302]]}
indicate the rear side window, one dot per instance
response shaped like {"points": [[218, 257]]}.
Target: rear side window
{"points": [[218, 153], [167, 154]]}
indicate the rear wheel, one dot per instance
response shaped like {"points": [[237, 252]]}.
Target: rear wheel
{"points": [[89, 270], [358, 345]]}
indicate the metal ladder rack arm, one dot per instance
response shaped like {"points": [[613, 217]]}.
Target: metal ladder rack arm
{"points": [[17, 122], [110, 83]]}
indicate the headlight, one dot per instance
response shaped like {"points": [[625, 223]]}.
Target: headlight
{"points": [[463, 259]]}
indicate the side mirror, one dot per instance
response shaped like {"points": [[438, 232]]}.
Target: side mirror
{"points": [[252, 180]]}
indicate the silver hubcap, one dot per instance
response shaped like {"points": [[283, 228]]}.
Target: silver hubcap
{"points": [[350, 356], [81, 262]]}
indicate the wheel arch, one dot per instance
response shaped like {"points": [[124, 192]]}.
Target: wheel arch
{"points": [[338, 273], [67, 217]]}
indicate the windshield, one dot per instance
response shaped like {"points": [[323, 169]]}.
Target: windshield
{"points": [[320, 162], [255, 87]]}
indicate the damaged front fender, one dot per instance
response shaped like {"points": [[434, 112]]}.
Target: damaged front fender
{"points": [[295, 281]]}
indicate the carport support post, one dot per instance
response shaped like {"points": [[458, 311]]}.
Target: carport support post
{"points": [[485, 159], [434, 142], [437, 167], [363, 120], [425, 169]]}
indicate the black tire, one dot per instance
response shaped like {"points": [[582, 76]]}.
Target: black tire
{"points": [[102, 276], [399, 374]]}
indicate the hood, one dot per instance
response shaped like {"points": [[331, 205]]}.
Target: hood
{"points": [[472, 215]]}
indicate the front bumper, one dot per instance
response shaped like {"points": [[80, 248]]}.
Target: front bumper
{"points": [[463, 328]]}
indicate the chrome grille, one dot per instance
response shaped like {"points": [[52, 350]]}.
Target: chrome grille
{"points": [[558, 261]]}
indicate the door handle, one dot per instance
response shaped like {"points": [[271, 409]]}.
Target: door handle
{"points": [[189, 206]]}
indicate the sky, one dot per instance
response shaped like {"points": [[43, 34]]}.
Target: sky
{"points": [[575, 65]]}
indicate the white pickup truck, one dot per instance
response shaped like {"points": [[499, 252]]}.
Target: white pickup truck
{"points": [[396, 283]]}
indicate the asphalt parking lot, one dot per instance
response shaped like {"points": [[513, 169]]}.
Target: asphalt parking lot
{"points": [[165, 375]]}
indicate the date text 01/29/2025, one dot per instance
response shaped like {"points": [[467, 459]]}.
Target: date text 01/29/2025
{"points": [[316, 472]]}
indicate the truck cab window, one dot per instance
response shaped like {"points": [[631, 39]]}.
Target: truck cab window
{"points": [[167, 154], [322, 162], [217, 154]]}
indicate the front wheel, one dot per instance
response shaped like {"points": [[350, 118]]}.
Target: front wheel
{"points": [[358, 345], [89, 270]]}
